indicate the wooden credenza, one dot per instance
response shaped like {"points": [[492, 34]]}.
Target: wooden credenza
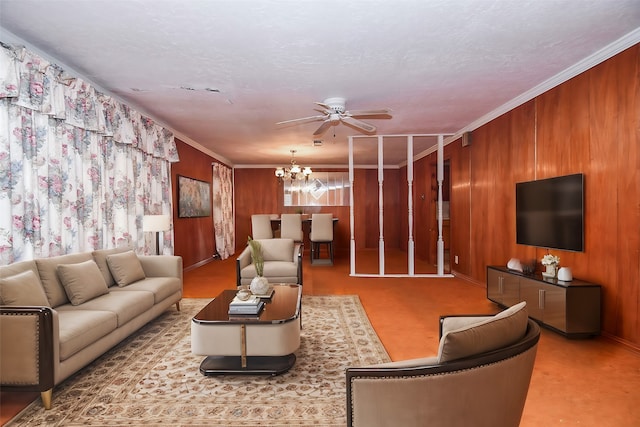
{"points": [[571, 308]]}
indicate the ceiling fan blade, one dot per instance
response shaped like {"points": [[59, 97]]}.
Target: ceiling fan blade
{"points": [[323, 105], [368, 113], [303, 120], [358, 124], [323, 111], [323, 128]]}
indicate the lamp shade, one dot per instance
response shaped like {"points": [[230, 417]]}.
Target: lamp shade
{"points": [[156, 222]]}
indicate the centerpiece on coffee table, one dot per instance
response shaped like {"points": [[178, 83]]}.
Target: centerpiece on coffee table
{"points": [[259, 284]]}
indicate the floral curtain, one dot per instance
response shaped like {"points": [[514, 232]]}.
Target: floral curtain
{"points": [[78, 169], [223, 223]]}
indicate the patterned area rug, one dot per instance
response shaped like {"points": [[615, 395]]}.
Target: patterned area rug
{"points": [[153, 379]]}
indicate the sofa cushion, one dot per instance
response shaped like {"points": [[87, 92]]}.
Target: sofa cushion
{"points": [[100, 257], [161, 287], [501, 330], [22, 289], [80, 328], [125, 268], [126, 305], [18, 267], [82, 281], [280, 269], [48, 272], [272, 270], [277, 249]]}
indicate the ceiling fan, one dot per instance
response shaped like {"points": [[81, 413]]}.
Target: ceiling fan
{"points": [[334, 112]]}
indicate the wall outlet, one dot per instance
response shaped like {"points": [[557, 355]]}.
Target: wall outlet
{"points": [[455, 259]]}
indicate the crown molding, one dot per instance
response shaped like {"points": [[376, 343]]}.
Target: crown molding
{"points": [[609, 51]]}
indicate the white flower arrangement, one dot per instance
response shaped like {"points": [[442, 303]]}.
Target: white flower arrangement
{"points": [[549, 259]]}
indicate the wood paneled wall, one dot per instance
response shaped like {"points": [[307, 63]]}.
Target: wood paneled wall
{"points": [[194, 240], [425, 196], [422, 206], [590, 125], [256, 191], [460, 206]]}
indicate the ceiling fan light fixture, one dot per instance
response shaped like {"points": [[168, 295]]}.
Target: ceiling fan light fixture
{"points": [[334, 112]]}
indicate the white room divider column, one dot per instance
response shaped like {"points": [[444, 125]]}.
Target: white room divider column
{"points": [[410, 242], [410, 207], [352, 254], [440, 180], [381, 205]]}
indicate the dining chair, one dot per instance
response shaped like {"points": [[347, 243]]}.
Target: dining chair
{"points": [[261, 226], [321, 234], [291, 227]]}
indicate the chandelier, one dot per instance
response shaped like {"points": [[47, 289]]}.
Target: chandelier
{"points": [[294, 171]]}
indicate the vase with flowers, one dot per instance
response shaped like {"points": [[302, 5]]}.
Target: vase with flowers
{"points": [[259, 284], [551, 263]]}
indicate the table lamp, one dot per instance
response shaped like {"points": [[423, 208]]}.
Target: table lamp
{"points": [[156, 223]]}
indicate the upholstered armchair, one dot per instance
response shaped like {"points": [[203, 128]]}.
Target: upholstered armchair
{"points": [[282, 262], [480, 377]]}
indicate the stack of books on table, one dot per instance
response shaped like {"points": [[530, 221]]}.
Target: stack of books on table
{"points": [[252, 306]]}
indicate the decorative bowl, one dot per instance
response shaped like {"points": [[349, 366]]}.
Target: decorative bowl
{"points": [[243, 295]]}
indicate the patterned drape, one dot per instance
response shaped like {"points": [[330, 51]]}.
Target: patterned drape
{"points": [[78, 169], [223, 223]]}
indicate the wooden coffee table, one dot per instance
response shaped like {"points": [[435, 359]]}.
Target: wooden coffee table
{"points": [[262, 344]]}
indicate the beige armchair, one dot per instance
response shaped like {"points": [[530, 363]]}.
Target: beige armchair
{"points": [[480, 377], [282, 262]]}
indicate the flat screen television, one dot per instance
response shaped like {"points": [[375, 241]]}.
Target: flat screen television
{"points": [[550, 213]]}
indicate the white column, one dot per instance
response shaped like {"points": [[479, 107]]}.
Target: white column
{"points": [[440, 179], [351, 210], [411, 243], [381, 203]]}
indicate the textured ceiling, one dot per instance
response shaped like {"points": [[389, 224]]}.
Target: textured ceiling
{"points": [[440, 65]]}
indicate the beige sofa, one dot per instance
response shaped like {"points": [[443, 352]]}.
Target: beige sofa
{"points": [[59, 314], [282, 262]]}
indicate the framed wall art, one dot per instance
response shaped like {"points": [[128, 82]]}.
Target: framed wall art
{"points": [[194, 198]]}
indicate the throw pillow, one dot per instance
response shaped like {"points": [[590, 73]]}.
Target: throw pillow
{"points": [[277, 249], [100, 257], [499, 331], [125, 268], [48, 273], [82, 281], [23, 289]]}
